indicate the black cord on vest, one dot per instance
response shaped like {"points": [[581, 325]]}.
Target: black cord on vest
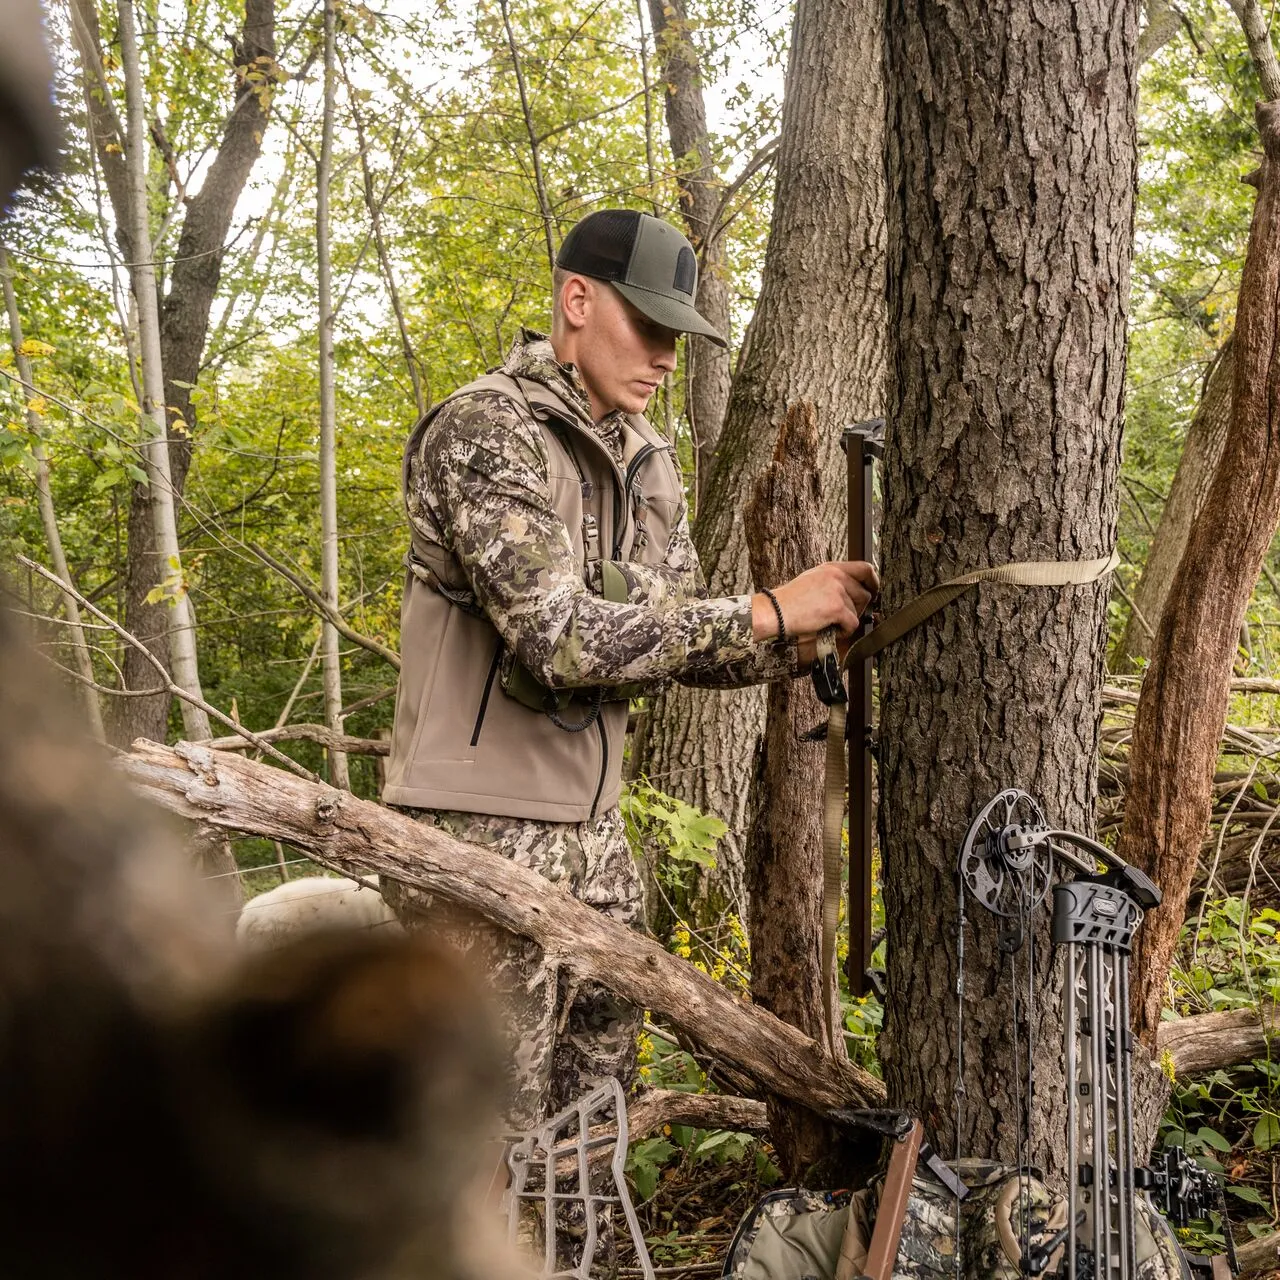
{"points": [[777, 608]]}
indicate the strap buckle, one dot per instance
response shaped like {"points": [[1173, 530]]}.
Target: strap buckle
{"points": [[828, 681]]}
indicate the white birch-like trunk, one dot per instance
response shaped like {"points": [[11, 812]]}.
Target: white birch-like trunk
{"points": [[142, 276], [48, 517], [330, 656]]}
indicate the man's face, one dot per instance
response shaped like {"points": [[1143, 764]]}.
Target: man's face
{"points": [[621, 354]]}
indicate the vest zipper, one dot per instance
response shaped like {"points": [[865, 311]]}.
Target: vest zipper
{"points": [[484, 697], [604, 768], [620, 495], [633, 469]]}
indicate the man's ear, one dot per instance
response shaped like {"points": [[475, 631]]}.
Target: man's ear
{"points": [[577, 296]]}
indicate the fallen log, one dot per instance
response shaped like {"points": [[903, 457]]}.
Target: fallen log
{"points": [[358, 837], [1207, 1041], [1262, 1254], [657, 1107]]}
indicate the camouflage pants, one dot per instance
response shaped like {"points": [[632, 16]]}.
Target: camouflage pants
{"points": [[564, 1038]]}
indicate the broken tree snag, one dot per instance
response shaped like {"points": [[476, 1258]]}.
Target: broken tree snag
{"points": [[1183, 704], [358, 837], [1208, 1041], [783, 523]]}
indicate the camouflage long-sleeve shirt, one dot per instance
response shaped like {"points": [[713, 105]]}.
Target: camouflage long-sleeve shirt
{"points": [[479, 486]]}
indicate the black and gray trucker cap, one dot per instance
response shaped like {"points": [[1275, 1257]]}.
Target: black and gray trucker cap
{"points": [[650, 263]]}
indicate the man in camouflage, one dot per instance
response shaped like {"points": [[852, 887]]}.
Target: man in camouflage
{"points": [[551, 577]]}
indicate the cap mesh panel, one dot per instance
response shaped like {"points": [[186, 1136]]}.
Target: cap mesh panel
{"points": [[686, 271], [600, 245]]}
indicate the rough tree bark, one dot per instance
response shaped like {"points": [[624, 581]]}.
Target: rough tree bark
{"points": [[708, 371], [1191, 481], [817, 335], [184, 311], [358, 837], [1183, 704], [1011, 158], [783, 517]]}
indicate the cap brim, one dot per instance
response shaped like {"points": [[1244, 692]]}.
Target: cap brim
{"points": [[666, 310]]}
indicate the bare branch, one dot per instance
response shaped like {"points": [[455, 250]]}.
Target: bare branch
{"points": [[322, 607], [318, 733], [763, 156], [656, 1107], [129, 638], [1208, 1041], [539, 185]]}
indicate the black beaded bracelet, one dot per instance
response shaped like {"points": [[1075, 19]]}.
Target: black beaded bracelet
{"points": [[777, 608]]}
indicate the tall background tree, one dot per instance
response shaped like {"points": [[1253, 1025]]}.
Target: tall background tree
{"points": [[193, 277], [817, 334], [708, 368]]}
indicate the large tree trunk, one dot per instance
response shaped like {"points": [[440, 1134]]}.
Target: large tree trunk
{"points": [[708, 372], [1011, 156], [184, 319], [1183, 704], [784, 850], [1191, 482], [817, 335]]}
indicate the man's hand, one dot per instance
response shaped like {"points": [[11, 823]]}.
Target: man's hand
{"points": [[832, 594]]}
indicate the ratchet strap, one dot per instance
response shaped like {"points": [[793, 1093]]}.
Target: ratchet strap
{"points": [[1035, 573]]}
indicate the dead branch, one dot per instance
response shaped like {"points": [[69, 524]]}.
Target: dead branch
{"points": [[317, 733], [1208, 1041], [349, 835], [656, 1107], [325, 609], [212, 712]]}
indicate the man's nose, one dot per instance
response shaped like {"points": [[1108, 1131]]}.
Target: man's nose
{"points": [[664, 357]]}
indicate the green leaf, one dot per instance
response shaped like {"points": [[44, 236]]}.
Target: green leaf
{"points": [[716, 1138], [645, 1177], [1266, 1133], [1212, 1138], [1249, 1195]]}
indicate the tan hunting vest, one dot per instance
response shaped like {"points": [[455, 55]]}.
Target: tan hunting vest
{"points": [[459, 741]]}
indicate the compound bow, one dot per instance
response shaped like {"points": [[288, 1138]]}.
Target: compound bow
{"points": [[1008, 863]]}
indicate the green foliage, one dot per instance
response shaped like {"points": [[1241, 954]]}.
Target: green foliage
{"points": [[1229, 1119], [863, 1015], [429, 95], [1197, 138], [682, 1147], [683, 836], [1231, 962]]}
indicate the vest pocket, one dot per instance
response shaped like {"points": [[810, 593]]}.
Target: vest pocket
{"points": [[488, 689]]}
